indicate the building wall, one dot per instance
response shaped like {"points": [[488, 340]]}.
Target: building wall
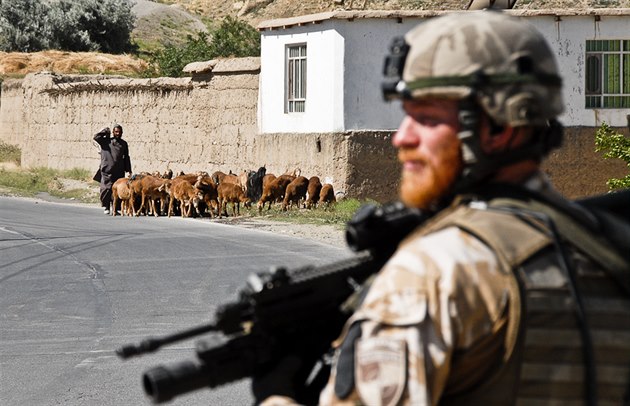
{"points": [[325, 89], [576, 168], [172, 122], [366, 47], [354, 49], [567, 36]]}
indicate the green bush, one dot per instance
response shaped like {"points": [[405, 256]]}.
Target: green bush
{"points": [[24, 26], [26, 182], [232, 38], [77, 174], [30, 182], [235, 38], [614, 146], [172, 59], [69, 25], [10, 153]]}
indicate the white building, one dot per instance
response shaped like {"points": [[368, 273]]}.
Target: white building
{"points": [[322, 72]]}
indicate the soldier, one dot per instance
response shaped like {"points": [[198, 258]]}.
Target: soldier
{"points": [[510, 293], [115, 162]]}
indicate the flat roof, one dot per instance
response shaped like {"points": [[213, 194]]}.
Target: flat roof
{"points": [[283, 23]]}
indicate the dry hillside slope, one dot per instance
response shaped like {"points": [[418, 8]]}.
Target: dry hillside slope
{"points": [[255, 11]]}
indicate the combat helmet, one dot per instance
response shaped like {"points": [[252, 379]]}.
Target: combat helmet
{"points": [[491, 62]]}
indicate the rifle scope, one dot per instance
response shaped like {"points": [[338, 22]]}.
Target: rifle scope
{"points": [[382, 227]]}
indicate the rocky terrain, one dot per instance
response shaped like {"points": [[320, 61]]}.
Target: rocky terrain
{"points": [[255, 11]]}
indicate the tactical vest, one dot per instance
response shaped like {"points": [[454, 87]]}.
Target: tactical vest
{"points": [[544, 361]]}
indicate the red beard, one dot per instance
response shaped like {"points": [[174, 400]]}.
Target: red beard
{"points": [[428, 181]]}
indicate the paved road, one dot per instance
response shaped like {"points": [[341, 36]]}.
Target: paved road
{"points": [[75, 285]]}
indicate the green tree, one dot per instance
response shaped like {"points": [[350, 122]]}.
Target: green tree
{"points": [[24, 25], [172, 59], [69, 25], [232, 38], [614, 145], [235, 38]]}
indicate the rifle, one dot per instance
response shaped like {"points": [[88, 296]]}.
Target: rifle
{"points": [[279, 307]]}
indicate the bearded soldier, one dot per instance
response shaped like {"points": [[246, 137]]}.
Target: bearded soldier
{"points": [[509, 294]]}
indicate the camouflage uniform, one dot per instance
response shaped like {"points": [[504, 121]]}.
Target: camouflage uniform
{"points": [[445, 321]]}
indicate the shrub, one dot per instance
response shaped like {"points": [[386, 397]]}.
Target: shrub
{"points": [[24, 26], [10, 153], [233, 38], [69, 25], [614, 145], [172, 59]]}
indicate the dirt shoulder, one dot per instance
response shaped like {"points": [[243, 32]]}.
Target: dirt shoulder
{"points": [[326, 234]]}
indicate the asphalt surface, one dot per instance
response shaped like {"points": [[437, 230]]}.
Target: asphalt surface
{"points": [[75, 285]]}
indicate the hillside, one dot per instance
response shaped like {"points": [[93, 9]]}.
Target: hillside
{"points": [[169, 21], [255, 11]]}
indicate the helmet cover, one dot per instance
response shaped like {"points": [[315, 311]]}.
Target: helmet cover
{"points": [[504, 62]]}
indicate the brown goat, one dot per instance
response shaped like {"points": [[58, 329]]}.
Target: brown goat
{"points": [[207, 192], [182, 191], [150, 190], [190, 178], [136, 187], [274, 191], [267, 179], [313, 189], [327, 196], [230, 193], [121, 191], [220, 177], [295, 192]]}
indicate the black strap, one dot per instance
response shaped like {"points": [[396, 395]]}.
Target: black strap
{"points": [[344, 381]]}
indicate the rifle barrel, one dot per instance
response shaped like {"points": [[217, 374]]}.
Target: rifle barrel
{"points": [[152, 344]]}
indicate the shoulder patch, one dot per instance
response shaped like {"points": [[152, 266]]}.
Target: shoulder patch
{"points": [[380, 370]]}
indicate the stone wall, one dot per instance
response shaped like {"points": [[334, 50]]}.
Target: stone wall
{"points": [[209, 122], [11, 112], [577, 170], [205, 122]]}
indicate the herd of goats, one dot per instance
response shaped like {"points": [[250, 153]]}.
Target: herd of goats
{"points": [[149, 194]]}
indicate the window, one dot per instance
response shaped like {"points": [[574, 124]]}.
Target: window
{"points": [[296, 79], [608, 74]]}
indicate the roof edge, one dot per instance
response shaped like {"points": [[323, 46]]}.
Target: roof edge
{"points": [[283, 23]]}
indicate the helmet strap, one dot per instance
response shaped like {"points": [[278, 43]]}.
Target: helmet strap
{"points": [[477, 165]]}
